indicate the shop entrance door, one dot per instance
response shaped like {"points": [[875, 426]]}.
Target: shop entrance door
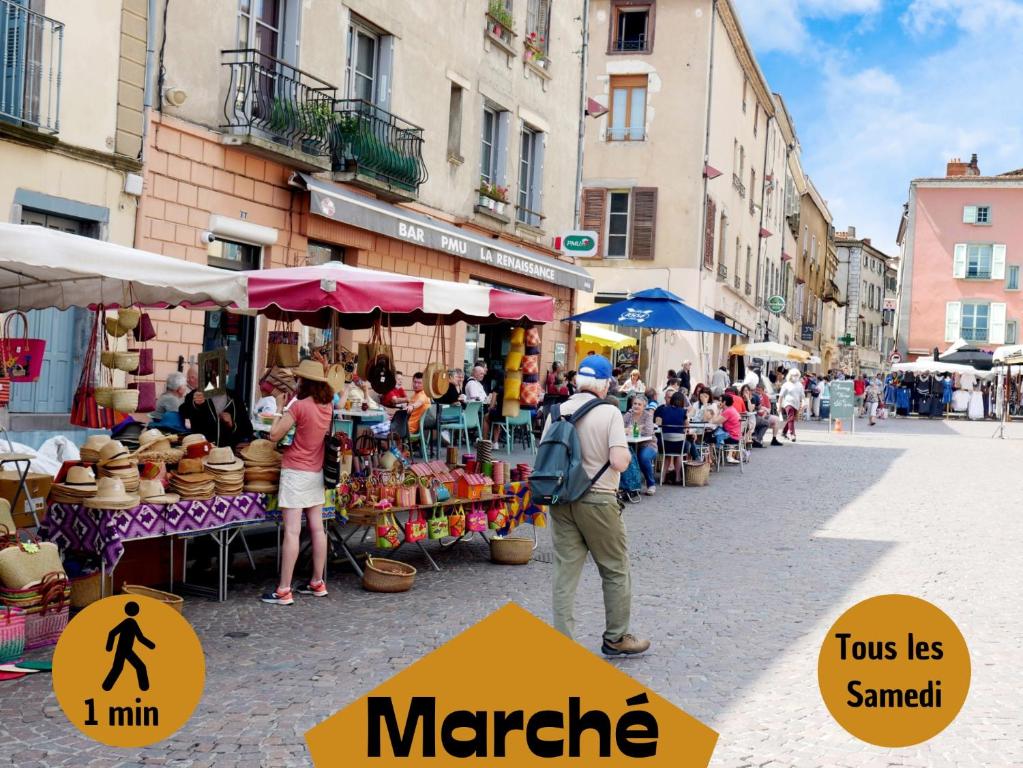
{"points": [[233, 333]]}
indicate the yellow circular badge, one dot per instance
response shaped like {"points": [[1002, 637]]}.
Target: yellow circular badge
{"points": [[894, 670], [128, 671]]}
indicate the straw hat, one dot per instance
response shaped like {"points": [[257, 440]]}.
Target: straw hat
{"points": [[261, 453], [90, 450], [191, 481], [262, 475], [78, 485], [261, 487], [110, 494], [113, 454], [196, 446], [311, 370], [152, 492], [223, 460]]}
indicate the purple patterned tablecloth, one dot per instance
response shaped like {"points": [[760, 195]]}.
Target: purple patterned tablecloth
{"points": [[104, 531]]}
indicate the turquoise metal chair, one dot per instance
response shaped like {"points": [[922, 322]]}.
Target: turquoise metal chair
{"points": [[524, 419], [623, 403], [419, 438], [473, 417], [452, 417]]}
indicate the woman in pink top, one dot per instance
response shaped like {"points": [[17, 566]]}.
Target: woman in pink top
{"points": [[301, 485]]}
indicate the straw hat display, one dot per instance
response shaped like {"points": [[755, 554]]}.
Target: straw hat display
{"points": [[156, 446], [91, 448], [79, 485], [191, 481], [260, 453], [196, 446], [152, 492], [228, 471], [116, 462], [111, 494]]}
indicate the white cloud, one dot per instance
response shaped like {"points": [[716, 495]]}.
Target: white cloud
{"points": [[972, 16], [780, 25]]}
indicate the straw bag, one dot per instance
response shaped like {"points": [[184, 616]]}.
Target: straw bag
{"points": [[283, 348], [12, 634], [126, 400], [126, 361], [435, 377], [87, 410], [697, 473], [45, 606], [28, 562], [22, 356]]}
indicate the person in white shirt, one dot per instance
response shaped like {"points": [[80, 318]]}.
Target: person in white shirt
{"points": [[634, 385], [474, 390], [719, 381], [790, 398]]}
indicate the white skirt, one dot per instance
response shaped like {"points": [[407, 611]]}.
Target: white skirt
{"points": [[300, 490]]}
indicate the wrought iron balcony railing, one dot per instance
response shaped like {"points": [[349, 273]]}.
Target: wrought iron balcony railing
{"points": [[722, 272], [637, 43], [272, 99], [737, 183], [31, 57], [372, 142]]}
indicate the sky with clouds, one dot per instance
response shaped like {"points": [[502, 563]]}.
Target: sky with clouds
{"points": [[883, 92]]}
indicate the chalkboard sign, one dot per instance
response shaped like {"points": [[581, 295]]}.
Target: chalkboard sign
{"points": [[843, 400]]}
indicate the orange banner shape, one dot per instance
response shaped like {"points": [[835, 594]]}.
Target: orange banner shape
{"points": [[564, 706]]}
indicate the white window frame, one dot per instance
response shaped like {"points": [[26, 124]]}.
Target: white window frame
{"points": [[355, 29], [530, 198], [628, 224], [1010, 270], [970, 308], [975, 252], [496, 172], [977, 214]]}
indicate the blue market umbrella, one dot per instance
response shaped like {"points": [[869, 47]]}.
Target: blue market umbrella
{"points": [[655, 308]]}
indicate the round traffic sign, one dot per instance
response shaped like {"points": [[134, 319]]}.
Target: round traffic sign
{"points": [[776, 304]]}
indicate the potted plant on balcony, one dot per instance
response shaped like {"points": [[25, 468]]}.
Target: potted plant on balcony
{"points": [[501, 19], [535, 49], [316, 119], [493, 196]]}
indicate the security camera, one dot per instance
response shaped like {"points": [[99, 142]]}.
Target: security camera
{"points": [[208, 237]]}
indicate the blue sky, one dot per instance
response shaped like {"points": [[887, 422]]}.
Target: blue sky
{"points": [[883, 92]]}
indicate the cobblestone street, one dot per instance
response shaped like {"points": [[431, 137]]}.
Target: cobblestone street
{"points": [[735, 583]]}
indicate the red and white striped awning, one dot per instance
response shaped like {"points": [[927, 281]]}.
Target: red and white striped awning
{"points": [[310, 294]]}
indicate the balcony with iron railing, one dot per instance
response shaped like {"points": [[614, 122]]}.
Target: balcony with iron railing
{"points": [[277, 109], [31, 57], [630, 43], [722, 272], [376, 149], [737, 183]]}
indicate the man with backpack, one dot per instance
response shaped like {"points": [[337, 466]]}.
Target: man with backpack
{"points": [[582, 452]]}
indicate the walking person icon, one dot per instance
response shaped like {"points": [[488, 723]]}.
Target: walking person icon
{"points": [[126, 633]]}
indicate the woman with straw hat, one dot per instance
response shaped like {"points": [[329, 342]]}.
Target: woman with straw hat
{"points": [[301, 484]]}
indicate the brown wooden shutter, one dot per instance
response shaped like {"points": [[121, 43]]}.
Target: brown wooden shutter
{"points": [[644, 223], [594, 206], [708, 233]]}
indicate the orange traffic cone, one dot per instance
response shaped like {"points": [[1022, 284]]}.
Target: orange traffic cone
{"points": [[838, 425]]}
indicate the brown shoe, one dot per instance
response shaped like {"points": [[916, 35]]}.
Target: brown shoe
{"points": [[627, 645]]}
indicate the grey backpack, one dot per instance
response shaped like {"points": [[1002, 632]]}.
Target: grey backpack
{"points": [[558, 474]]}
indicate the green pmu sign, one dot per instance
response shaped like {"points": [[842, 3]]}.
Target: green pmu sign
{"points": [[776, 304], [580, 243]]}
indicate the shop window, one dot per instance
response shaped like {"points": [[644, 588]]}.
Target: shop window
{"points": [[494, 145], [368, 63], [530, 177], [234, 333], [975, 321], [632, 27], [455, 124], [627, 116], [324, 253], [618, 225]]}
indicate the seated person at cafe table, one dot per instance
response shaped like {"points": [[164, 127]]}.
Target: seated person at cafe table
{"points": [[633, 385], [672, 419], [474, 390], [418, 405], [454, 393], [397, 395], [729, 423], [646, 451], [701, 401]]}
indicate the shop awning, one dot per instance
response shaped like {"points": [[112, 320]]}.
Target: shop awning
{"points": [[770, 350], [311, 294], [42, 268], [605, 337], [335, 202]]}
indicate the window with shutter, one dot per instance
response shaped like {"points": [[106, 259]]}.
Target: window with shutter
{"points": [[593, 205], [969, 214], [959, 261], [996, 327], [708, 234], [644, 222], [998, 261]]}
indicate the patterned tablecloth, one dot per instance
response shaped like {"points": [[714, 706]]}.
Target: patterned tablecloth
{"points": [[104, 531], [521, 508]]}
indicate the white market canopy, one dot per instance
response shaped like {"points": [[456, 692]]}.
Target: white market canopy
{"points": [[928, 365], [42, 268]]}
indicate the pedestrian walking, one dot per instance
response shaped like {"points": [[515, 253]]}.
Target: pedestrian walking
{"points": [[871, 397], [790, 398], [301, 485], [592, 524]]}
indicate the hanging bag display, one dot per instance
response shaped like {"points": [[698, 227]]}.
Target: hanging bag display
{"points": [[147, 396], [282, 347], [476, 520], [456, 522], [145, 366], [435, 377], [144, 331], [85, 410], [497, 517], [23, 357], [380, 372], [438, 524], [388, 532], [415, 527]]}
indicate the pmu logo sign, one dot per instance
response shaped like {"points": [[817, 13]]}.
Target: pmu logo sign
{"points": [[511, 691]]}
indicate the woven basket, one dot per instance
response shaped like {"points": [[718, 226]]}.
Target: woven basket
{"points": [[85, 590], [12, 634], [46, 609], [125, 400], [382, 575], [113, 329], [126, 361], [697, 474], [513, 551], [175, 602], [104, 396], [128, 318], [106, 357]]}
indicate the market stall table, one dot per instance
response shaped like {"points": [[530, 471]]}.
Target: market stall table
{"points": [[104, 532]]}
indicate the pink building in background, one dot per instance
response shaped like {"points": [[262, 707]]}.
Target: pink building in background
{"points": [[962, 247]]}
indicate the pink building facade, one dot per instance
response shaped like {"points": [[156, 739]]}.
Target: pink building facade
{"points": [[962, 251]]}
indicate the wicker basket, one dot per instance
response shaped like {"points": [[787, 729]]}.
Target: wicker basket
{"points": [[106, 357], [85, 590], [128, 318], [113, 329], [175, 602], [697, 474], [104, 396], [125, 400], [513, 551], [126, 361], [382, 575]]}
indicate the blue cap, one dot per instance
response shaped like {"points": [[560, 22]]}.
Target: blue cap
{"points": [[596, 367]]}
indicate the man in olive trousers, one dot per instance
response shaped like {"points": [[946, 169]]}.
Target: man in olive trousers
{"points": [[593, 524]]}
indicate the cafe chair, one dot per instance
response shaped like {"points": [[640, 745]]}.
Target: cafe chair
{"points": [[472, 416], [452, 418], [510, 423], [674, 446]]}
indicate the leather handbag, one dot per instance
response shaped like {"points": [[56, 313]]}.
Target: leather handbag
{"points": [[145, 367], [147, 395], [380, 371], [144, 331]]}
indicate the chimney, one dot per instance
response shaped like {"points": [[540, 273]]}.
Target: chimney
{"points": [[974, 168], [851, 232], [956, 167], [866, 241]]}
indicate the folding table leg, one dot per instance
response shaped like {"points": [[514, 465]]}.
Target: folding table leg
{"points": [[426, 553]]}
